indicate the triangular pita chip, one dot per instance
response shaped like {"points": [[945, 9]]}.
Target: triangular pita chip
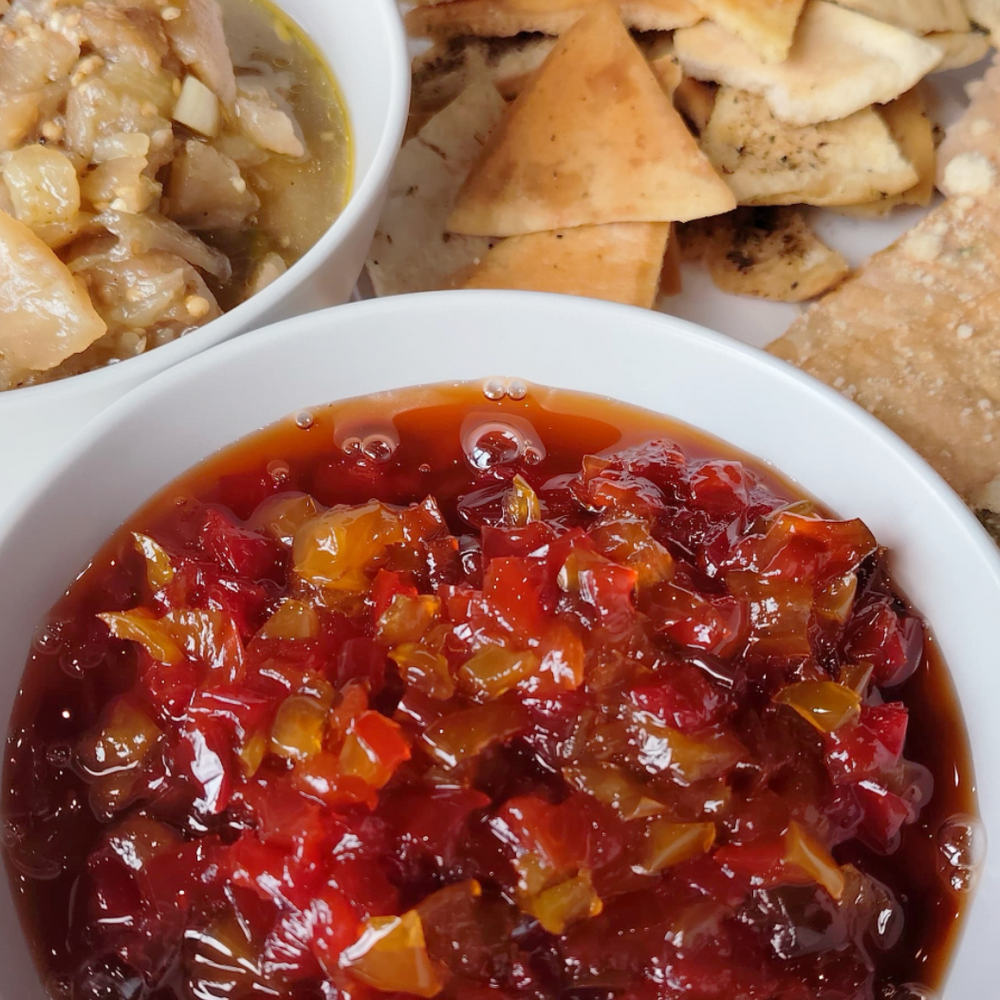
{"points": [[919, 16], [592, 139], [620, 262], [767, 253], [766, 162], [913, 132], [503, 18], [412, 250], [969, 157], [767, 26], [913, 336], [841, 62], [959, 48]]}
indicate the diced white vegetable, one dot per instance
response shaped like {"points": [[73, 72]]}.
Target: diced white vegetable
{"points": [[207, 190], [268, 270], [43, 185], [133, 144], [263, 122], [48, 315], [121, 184], [197, 107]]}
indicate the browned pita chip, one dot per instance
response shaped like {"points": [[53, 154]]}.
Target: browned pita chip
{"points": [[767, 253], [503, 18], [969, 157], [670, 278], [913, 132], [959, 48], [914, 337], [413, 250], [592, 139], [767, 26], [620, 262], [768, 162]]}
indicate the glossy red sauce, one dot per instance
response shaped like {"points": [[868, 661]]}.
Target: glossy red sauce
{"points": [[538, 725]]}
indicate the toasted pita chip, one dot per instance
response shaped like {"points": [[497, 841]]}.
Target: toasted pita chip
{"points": [[841, 62], [919, 16], [913, 132], [766, 162], [668, 72], [766, 26], [969, 158], [767, 253], [914, 335], [503, 18], [670, 277], [592, 139], [959, 48], [412, 250], [620, 262]]}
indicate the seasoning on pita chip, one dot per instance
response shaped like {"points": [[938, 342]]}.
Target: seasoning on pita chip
{"points": [[959, 48], [413, 250], [767, 253], [840, 62], [441, 73], [913, 132], [503, 18], [913, 336], [919, 16], [969, 158], [592, 139], [767, 162], [620, 262], [766, 26]]}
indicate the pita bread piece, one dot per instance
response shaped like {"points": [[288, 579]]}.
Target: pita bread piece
{"points": [[766, 162], [412, 250], [959, 48], [919, 16], [767, 253], [913, 132], [695, 100], [620, 262], [504, 18], [766, 26], [914, 337], [969, 158], [841, 62], [985, 13], [592, 139]]}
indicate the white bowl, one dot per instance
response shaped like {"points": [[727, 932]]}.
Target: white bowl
{"points": [[834, 449], [364, 44]]}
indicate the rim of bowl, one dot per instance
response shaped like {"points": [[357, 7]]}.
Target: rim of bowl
{"points": [[438, 302], [152, 363]]}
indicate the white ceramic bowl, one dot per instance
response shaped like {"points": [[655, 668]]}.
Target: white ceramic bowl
{"points": [[835, 450], [364, 44]]}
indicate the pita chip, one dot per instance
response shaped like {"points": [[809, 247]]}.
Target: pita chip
{"points": [[959, 48], [969, 158], [767, 253], [840, 62], [919, 16], [985, 13], [766, 26], [620, 262], [913, 132], [766, 162], [592, 139], [503, 18], [913, 336], [695, 101], [413, 250]]}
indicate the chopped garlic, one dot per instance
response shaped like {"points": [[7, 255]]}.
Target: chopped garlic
{"points": [[197, 107]]}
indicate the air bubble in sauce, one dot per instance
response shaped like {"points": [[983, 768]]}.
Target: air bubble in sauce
{"points": [[304, 420], [961, 843], [489, 443]]}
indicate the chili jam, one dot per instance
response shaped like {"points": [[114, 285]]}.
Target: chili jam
{"points": [[445, 694]]}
